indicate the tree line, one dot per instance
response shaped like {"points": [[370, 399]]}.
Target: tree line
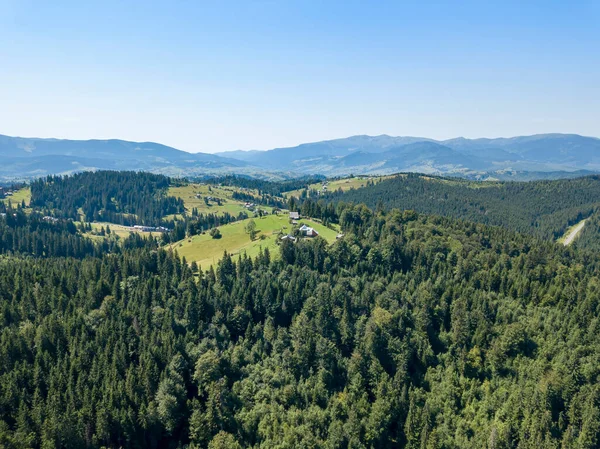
{"points": [[125, 198], [541, 208], [263, 186]]}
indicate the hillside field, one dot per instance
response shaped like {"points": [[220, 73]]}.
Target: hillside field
{"points": [[18, 196], [189, 194], [206, 251], [116, 229], [345, 184]]}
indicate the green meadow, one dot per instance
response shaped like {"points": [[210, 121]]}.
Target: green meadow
{"points": [[344, 184], [193, 197], [18, 196], [206, 251]]}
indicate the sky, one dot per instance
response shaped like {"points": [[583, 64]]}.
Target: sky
{"points": [[224, 75]]}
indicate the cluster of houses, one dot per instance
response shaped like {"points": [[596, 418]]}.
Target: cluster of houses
{"points": [[304, 230], [50, 219], [4, 193], [323, 189], [249, 206], [207, 198], [150, 228]]}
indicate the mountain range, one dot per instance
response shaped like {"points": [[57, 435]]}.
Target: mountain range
{"points": [[32, 157], [386, 154], [23, 158]]}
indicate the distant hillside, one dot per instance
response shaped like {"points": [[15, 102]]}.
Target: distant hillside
{"points": [[32, 157], [467, 157], [542, 208]]}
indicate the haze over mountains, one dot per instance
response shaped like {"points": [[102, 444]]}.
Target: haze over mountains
{"points": [[23, 158], [31, 157], [385, 154]]}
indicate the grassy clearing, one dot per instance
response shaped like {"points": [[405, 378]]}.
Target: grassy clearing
{"points": [[115, 229], [206, 251], [189, 194], [19, 196], [464, 182], [344, 184], [361, 181]]}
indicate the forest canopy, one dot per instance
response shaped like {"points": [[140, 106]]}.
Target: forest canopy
{"points": [[117, 197], [542, 208], [412, 331]]}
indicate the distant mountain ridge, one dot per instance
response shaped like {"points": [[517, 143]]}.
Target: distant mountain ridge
{"points": [[31, 157], [23, 158], [387, 154]]}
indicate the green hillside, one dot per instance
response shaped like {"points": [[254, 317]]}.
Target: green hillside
{"points": [[193, 196], [18, 196], [541, 208], [207, 251], [332, 185]]}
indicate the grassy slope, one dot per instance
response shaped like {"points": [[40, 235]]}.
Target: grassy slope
{"points": [[344, 184], [115, 229], [121, 231], [188, 195], [206, 251], [18, 196]]}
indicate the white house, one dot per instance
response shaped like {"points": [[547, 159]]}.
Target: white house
{"points": [[308, 231]]}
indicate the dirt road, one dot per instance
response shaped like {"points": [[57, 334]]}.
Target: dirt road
{"points": [[573, 233]]}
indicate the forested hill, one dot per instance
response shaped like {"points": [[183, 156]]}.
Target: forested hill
{"points": [[273, 188], [541, 208], [116, 197], [589, 237], [411, 331]]}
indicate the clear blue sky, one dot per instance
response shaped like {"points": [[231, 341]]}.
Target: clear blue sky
{"points": [[213, 76]]}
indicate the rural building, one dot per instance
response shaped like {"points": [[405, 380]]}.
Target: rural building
{"points": [[289, 237], [308, 231], [150, 228], [294, 215]]}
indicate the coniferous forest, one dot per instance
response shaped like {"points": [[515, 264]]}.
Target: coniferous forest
{"points": [[411, 331], [541, 208], [118, 197]]}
